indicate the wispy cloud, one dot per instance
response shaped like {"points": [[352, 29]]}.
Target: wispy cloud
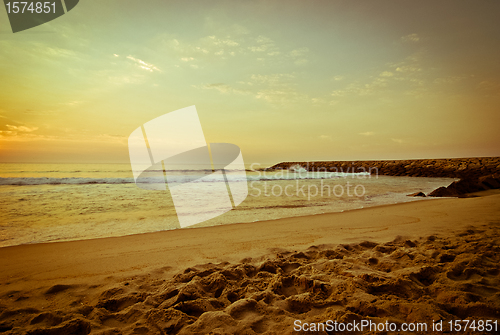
{"points": [[299, 56], [125, 79], [20, 132], [277, 79], [219, 41], [282, 96], [412, 38], [490, 87], [408, 69], [234, 45], [72, 103], [143, 65], [223, 88], [273, 88], [278, 88], [367, 133], [358, 89], [23, 129], [263, 44], [448, 80], [205, 48]]}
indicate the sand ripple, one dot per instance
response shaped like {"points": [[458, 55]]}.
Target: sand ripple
{"points": [[432, 278]]}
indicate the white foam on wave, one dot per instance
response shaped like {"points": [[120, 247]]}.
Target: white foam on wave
{"points": [[63, 181], [297, 168], [181, 178]]}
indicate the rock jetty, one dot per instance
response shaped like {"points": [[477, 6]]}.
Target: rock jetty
{"points": [[475, 174], [451, 168]]}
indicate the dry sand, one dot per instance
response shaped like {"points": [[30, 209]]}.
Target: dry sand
{"points": [[413, 262]]}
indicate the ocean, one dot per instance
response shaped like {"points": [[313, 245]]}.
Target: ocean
{"points": [[63, 202]]}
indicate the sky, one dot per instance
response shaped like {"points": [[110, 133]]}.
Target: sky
{"points": [[284, 80]]}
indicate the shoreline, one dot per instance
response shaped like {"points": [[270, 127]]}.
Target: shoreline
{"points": [[400, 197], [197, 280], [409, 199], [117, 241]]}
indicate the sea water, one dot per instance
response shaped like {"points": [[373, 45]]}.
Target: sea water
{"points": [[63, 202]]}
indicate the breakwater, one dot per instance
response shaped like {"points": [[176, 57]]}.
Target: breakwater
{"points": [[451, 168]]}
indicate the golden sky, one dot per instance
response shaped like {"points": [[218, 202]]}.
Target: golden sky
{"points": [[283, 80]]}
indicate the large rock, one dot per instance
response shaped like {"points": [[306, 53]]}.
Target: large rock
{"points": [[417, 194], [443, 192], [490, 182], [467, 185]]}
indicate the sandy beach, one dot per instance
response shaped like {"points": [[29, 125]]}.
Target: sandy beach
{"points": [[249, 167], [414, 262]]}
